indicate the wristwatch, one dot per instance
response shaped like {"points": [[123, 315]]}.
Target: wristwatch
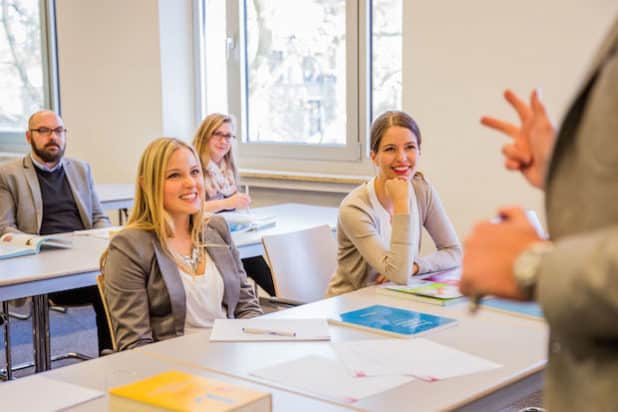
{"points": [[526, 267]]}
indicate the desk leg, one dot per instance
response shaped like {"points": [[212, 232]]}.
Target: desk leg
{"points": [[123, 216], [7, 341], [40, 333]]}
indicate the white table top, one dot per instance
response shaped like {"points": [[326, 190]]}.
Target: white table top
{"points": [[291, 217], [516, 343], [103, 373], [51, 269], [61, 269], [115, 196]]}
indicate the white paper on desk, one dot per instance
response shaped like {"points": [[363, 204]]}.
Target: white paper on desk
{"points": [[230, 330], [418, 357], [37, 393], [327, 378]]}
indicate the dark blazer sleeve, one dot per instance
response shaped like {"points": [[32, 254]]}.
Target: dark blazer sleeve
{"points": [[247, 305], [125, 277]]}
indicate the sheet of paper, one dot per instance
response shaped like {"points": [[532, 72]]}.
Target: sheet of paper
{"points": [[235, 330], [37, 393], [327, 378], [419, 357]]}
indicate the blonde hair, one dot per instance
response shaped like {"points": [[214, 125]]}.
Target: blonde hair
{"points": [[148, 211], [203, 135]]}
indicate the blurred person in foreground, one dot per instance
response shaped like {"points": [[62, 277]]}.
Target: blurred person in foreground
{"points": [[574, 275]]}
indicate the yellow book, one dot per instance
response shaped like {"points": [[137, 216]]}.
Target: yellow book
{"points": [[184, 392]]}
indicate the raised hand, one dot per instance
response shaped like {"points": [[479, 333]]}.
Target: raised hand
{"points": [[532, 141]]}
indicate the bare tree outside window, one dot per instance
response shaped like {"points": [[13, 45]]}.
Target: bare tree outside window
{"points": [[296, 71], [386, 55], [296, 75], [21, 67]]}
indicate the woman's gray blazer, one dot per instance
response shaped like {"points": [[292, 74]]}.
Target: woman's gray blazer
{"points": [[144, 291]]}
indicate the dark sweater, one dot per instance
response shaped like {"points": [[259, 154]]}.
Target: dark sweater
{"points": [[60, 213]]}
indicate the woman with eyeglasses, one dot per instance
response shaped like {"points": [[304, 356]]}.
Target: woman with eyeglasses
{"points": [[380, 223], [213, 142], [171, 271]]}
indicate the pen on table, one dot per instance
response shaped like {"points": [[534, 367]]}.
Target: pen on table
{"points": [[475, 303], [257, 331]]}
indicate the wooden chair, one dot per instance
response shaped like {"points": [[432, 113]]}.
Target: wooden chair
{"points": [[101, 288], [301, 263]]}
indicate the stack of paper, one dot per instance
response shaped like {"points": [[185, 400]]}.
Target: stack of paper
{"points": [[243, 222]]}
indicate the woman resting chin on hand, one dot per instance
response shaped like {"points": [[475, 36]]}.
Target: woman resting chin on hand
{"points": [[380, 222]]}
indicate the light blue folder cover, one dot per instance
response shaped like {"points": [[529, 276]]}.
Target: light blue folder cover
{"points": [[395, 320], [531, 309]]}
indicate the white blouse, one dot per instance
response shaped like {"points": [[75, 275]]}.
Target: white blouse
{"points": [[204, 295]]}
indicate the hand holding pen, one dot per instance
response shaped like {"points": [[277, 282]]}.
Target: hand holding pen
{"points": [[489, 253]]}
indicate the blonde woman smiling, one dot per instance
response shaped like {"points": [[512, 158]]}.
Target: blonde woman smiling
{"points": [[380, 223], [169, 271]]}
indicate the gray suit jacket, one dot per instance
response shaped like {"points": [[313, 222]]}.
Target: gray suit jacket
{"points": [[21, 205], [144, 291], [578, 282]]}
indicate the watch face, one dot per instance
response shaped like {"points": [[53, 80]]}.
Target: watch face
{"points": [[526, 267]]}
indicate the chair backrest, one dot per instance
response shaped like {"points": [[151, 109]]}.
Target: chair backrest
{"points": [[101, 288], [302, 262]]}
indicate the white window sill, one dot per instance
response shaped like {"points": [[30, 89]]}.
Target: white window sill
{"points": [[314, 182]]}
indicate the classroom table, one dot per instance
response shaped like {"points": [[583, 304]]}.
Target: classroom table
{"points": [[61, 269], [49, 271], [517, 343], [124, 367], [291, 217], [116, 196]]}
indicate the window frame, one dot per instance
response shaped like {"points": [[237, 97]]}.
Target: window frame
{"points": [[14, 141], [358, 82]]}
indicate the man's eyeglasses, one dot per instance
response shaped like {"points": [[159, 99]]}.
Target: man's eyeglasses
{"points": [[60, 130], [223, 136]]}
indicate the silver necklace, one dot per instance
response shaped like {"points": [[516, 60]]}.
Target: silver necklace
{"points": [[191, 261]]}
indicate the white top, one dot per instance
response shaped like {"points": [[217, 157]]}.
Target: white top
{"points": [[383, 217], [204, 294]]}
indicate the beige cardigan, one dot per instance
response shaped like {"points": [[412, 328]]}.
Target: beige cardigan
{"points": [[361, 255]]}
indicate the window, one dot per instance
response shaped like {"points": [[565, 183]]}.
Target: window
{"points": [[304, 77], [27, 67]]}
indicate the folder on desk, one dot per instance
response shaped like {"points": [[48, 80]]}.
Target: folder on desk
{"points": [[392, 321], [179, 391]]}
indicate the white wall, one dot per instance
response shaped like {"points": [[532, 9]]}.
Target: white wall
{"points": [[460, 56], [126, 73], [126, 77]]}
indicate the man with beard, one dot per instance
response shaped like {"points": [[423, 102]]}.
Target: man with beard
{"points": [[45, 193]]}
